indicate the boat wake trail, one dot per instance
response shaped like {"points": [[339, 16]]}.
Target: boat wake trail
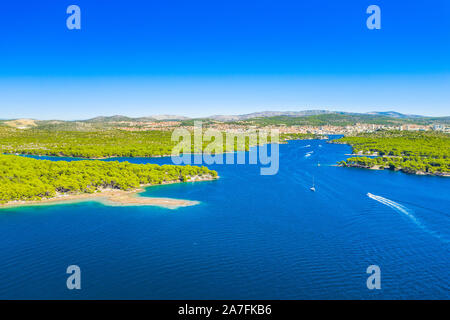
{"points": [[407, 212], [395, 206]]}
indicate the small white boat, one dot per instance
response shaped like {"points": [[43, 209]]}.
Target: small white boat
{"points": [[313, 188]]}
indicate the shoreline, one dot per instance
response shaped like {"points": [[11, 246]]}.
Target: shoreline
{"points": [[112, 197], [377, 167], [151, 156]]}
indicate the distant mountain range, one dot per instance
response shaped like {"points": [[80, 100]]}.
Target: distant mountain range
{"points": [[263, 114], [394, 114], [118, 118], [266, 114], [266, 117]]}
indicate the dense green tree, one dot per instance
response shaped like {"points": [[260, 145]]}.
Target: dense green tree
{"points": [[411, 152], [105, 143], [24, 178]]}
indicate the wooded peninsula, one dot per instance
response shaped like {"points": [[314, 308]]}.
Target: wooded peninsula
{"points": [[411, 152], [27, 179]]}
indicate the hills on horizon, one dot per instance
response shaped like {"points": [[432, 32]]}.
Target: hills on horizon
{"points": [[305, 117], [305, 113], [262, 114]]}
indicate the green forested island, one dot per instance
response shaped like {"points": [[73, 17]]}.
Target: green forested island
{"points": [[27, 179], [85, 144], [105, 143], [23, 178], [410, 152]]}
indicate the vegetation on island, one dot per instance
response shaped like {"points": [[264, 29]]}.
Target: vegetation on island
{"points": [[410, 152], [28, 179], [23, 178], [111, 142], [85, 144]]}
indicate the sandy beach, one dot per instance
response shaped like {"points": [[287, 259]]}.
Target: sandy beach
{"points": [[107, 197], [112, 197]]}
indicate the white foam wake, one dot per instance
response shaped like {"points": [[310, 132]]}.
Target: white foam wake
{"points": [[402, 209], [394, 205]]}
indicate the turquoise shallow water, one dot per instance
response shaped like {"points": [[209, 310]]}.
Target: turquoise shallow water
{"points": [[252, 237]]}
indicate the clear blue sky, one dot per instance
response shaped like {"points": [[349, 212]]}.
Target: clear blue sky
{"points": [[199, 58]]}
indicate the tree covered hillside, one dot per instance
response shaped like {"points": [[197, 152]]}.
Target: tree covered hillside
{"points": [[411, 152], [108, 143], [91, 144], [24, 178]]}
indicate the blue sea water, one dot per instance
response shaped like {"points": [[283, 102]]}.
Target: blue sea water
{"points": [[251, 237]]}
